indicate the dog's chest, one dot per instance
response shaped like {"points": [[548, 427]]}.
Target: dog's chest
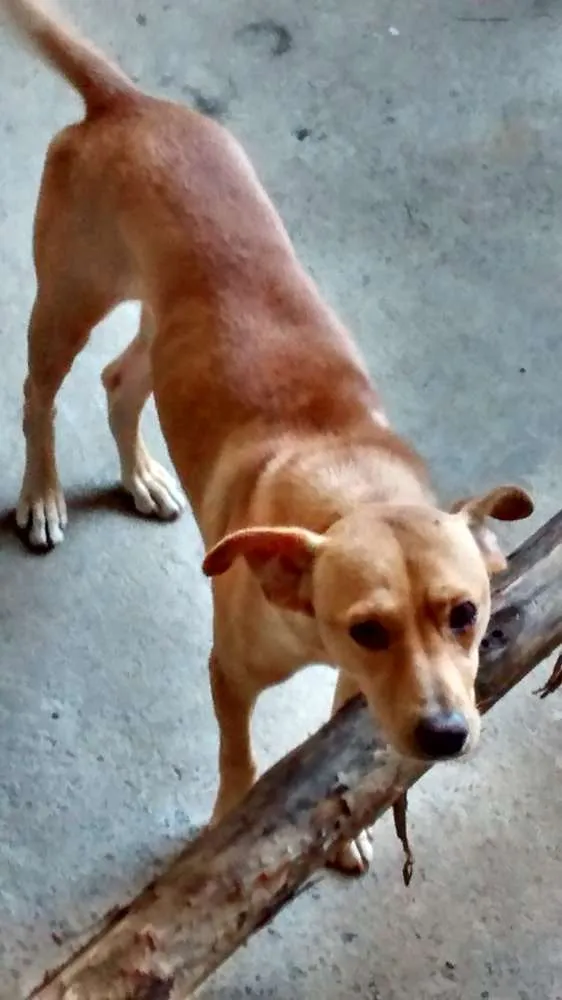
{"points": [[285, 643]]}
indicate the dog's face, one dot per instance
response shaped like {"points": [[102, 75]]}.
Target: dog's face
{"points": [[401, 598]]}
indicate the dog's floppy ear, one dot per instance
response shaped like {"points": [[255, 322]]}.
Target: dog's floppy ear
{"points": [[504, 503], [281, 558]]}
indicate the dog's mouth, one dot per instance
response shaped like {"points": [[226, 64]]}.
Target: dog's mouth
{"points": [[444, 736], [412, 752], [417, 755], [442, 754]]}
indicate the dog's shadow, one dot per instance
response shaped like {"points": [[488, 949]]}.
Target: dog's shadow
{"points": [[108, 499]]}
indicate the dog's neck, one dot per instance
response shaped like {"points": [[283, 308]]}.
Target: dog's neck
{"points": [[313, 484], [308, 480]]}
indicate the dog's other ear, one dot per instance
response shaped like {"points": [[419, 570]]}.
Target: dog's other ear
{"points": [[504, 503], [281, 559]]}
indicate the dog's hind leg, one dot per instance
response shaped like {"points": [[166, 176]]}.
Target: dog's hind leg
{"points": [[76, 288], [60, 325], [128, 384]]}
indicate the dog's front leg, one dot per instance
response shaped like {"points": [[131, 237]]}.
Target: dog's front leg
{"points": [[234, 704], [353, 857]]}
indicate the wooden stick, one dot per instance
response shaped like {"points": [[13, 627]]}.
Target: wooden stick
{"points": [[231, 881]]}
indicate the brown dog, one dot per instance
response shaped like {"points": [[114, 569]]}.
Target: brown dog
{"points": [[325, 541]]}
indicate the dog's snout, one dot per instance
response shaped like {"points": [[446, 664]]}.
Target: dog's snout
{"points": [[443, 734]]}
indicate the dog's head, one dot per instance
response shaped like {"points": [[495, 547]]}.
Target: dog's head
{"points": [[401, 598]]}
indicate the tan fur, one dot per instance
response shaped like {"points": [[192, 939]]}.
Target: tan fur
{"points": [[315, 514]]}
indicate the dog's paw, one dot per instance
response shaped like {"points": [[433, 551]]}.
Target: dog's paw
{"points": [[353, 857], [41, 518], [155, 493]]}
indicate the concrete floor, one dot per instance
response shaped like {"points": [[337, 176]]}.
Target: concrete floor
{"points": [[415, 151]]}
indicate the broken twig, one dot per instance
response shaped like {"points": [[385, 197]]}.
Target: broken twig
{"points": [[400, 810], [554, 681]]}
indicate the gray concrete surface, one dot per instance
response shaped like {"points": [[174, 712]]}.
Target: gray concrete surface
{"points": [[415, 150]]}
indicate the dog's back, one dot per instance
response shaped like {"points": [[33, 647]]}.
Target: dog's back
{"points": [[161, 204]]}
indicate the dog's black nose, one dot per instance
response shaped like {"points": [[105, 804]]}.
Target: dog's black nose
{"points": [[441, 735]]}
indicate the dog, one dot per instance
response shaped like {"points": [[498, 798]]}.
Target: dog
{"points": [[324, 539]]}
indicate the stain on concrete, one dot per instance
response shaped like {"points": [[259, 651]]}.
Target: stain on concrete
{"points": [[206, 104], [278, 35], [305, 132], [484, 20], [544, 8]]}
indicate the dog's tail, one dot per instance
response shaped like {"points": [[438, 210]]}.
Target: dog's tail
{"points": [[100, 83]]}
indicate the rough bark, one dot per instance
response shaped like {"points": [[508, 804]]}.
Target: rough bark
{"points": [[231, 881]]}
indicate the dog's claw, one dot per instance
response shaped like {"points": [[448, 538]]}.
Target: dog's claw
{"points": [[154, 492], [354, 857], [42, 520]]}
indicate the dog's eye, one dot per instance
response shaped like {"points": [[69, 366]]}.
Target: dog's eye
{"points": [[370, 634], [462, 616]]}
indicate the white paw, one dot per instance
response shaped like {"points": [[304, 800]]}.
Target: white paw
{"points": [[154, 491], [41, 516], [353, 857]]}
